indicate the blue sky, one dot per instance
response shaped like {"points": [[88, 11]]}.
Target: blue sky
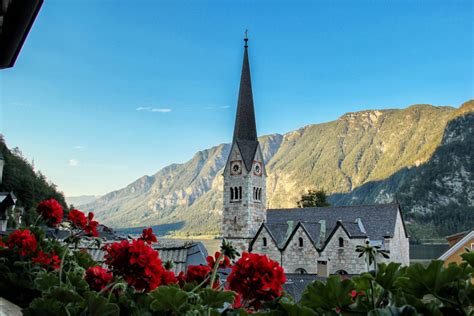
{"points": [[104, 92]]}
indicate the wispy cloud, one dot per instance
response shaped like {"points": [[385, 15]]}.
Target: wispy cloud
{"points": [[79, 147], [73, 162], [216, 107], [156, 110], [20, 104]]}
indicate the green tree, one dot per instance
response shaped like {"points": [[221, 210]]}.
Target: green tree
{"points": [[314, 198]]}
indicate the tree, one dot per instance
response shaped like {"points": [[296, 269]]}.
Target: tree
{"points": [[314, 198]]}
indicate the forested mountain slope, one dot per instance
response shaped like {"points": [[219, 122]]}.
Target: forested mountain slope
{"points": [[364, 157]]}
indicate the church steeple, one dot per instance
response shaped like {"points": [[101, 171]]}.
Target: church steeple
{"points": [[244, 175], [245, 127]]}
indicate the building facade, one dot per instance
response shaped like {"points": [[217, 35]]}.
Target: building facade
{"points": [[319, 240]]}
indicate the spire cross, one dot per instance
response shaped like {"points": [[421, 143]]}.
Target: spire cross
{"points": [[246, 39]]}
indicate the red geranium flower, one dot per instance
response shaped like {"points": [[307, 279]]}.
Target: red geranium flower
{"points": [[91, 227], [47, 260], [148, 236], [197, 274], [224, 263], [78, 219], [137, 262], [257, 279], [24, 240], [168, 278], [2, 244], [98, 278], [51, 211]]}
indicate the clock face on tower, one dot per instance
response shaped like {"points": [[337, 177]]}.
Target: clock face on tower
{"points": [[236, 167], [257, 168]]}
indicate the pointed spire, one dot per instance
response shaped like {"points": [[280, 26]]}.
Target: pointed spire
{"points": [[245, 127]]}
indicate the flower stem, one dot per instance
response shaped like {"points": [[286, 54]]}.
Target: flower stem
{"points": [[215, 268]]}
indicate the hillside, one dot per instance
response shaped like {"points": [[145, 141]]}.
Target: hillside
{"points": [[29, 186], [369, 156]]}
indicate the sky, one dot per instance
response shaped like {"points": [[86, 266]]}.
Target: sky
{"points": [[104, 92]]}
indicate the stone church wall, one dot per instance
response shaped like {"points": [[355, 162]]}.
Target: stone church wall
{"points": [[271, 250], [344, 258], [296, 257], [399, 245]]}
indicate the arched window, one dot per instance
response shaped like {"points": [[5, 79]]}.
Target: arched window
{"points": [[254, 193], [231, 194], [300, 242], [341, 242], [301, 271], [341, 272], [240, 193], [264, 241], [259, 196]]}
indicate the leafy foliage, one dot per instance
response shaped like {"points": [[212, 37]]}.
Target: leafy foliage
{"points": [[28, 185], [314, 198]]}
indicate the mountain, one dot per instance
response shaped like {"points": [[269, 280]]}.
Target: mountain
{"points": [[81, 199], [364, 157]]}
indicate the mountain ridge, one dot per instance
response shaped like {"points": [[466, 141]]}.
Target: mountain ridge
{"points": [[338, 156]]}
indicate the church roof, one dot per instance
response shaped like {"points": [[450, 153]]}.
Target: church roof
{"points": [[245, 130], [372, 221]]}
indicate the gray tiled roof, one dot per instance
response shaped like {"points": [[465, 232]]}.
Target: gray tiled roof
{"points": [[378, 220], [280, 232], [314, 231], [296, 283], [182, 254], [353, 229]]}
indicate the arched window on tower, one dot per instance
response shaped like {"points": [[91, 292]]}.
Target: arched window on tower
{"points": [[264, 241], [341, 242], [231, 193], [254, 193], [259, 194], [300, 242], [240, 193]]}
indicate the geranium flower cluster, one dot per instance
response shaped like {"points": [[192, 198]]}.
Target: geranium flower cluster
{"points": [[138, 264], [47, 260], [256, 279], [98, 278], [51, 211], [23, 241], [79, 220], [25, 244]]}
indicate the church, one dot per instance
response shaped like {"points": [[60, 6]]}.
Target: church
{"points": [[320, 240]]}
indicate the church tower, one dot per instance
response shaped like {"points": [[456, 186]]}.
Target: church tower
{"points": [[244, 174]]}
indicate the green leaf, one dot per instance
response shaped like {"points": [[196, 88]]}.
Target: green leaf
{"points": [[394, 311], [216, 299], [468, 257], [46, 280], [327, 296], [293, 309], [168, 298], [98, 306]]}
